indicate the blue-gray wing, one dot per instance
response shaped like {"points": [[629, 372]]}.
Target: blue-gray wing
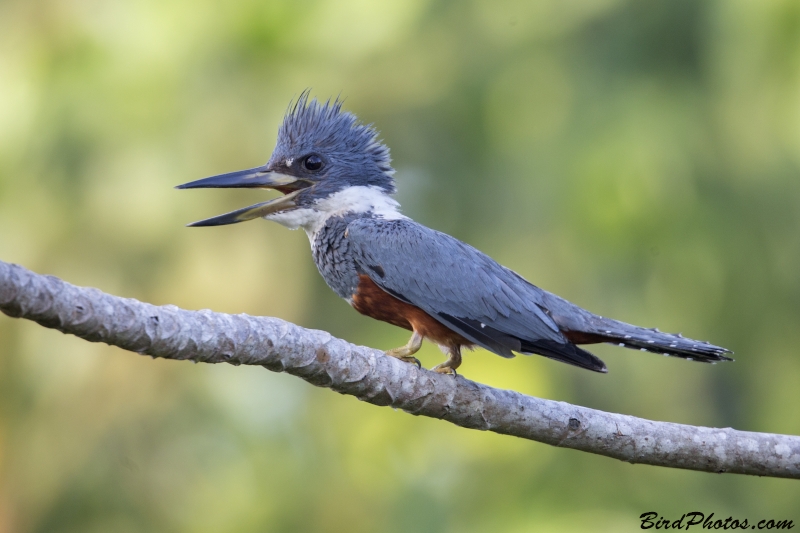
{"points": [[462, 288]]}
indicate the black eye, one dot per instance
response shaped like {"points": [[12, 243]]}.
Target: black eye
{"points": [[313, 163]]}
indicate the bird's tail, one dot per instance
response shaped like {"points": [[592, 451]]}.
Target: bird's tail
{"points": [[650, 340]]}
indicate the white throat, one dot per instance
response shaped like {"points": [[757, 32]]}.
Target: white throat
{"points": [[350, 200]]}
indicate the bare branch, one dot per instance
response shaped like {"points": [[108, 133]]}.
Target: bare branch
{"points": [[325, 361]]}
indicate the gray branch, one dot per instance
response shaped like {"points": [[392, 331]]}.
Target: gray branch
{"points": [[325, 361]]}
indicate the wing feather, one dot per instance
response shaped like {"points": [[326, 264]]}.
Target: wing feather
{"points": [[461, 287]]}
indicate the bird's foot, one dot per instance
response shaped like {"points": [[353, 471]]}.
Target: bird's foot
{"points": [[411, 359], [405, 358], [406, 353], [453, 362], [444, 368]]}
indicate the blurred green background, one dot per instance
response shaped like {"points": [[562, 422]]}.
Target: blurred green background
{"points": [[638, 158]]}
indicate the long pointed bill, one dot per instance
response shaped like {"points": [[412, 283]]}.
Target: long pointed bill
{"points": [[248, 213], [259, 177]]}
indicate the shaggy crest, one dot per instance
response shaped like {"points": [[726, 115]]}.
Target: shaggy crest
{"points": [[326, 128]]}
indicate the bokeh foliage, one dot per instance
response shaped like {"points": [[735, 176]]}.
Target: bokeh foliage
{"points": [[638, 158]]}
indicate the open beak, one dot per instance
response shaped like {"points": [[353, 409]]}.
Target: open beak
{"points": [[256, 178]]}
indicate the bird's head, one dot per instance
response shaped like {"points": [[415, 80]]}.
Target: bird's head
{"points": [[325, 161]]}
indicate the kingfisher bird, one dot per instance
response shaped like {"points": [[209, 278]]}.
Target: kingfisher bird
{"points": [[337, 184]]}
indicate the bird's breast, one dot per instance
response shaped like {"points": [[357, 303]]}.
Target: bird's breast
{"points": [[332, 256]]}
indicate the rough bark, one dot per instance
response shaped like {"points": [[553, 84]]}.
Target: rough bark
{"points": [[325, 361]]}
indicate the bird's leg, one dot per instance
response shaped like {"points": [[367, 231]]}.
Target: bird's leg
{"points": [[453, 361], [406, 353]]}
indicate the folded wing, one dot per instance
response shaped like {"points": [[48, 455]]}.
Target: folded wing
{"points": [[462, 288]]}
